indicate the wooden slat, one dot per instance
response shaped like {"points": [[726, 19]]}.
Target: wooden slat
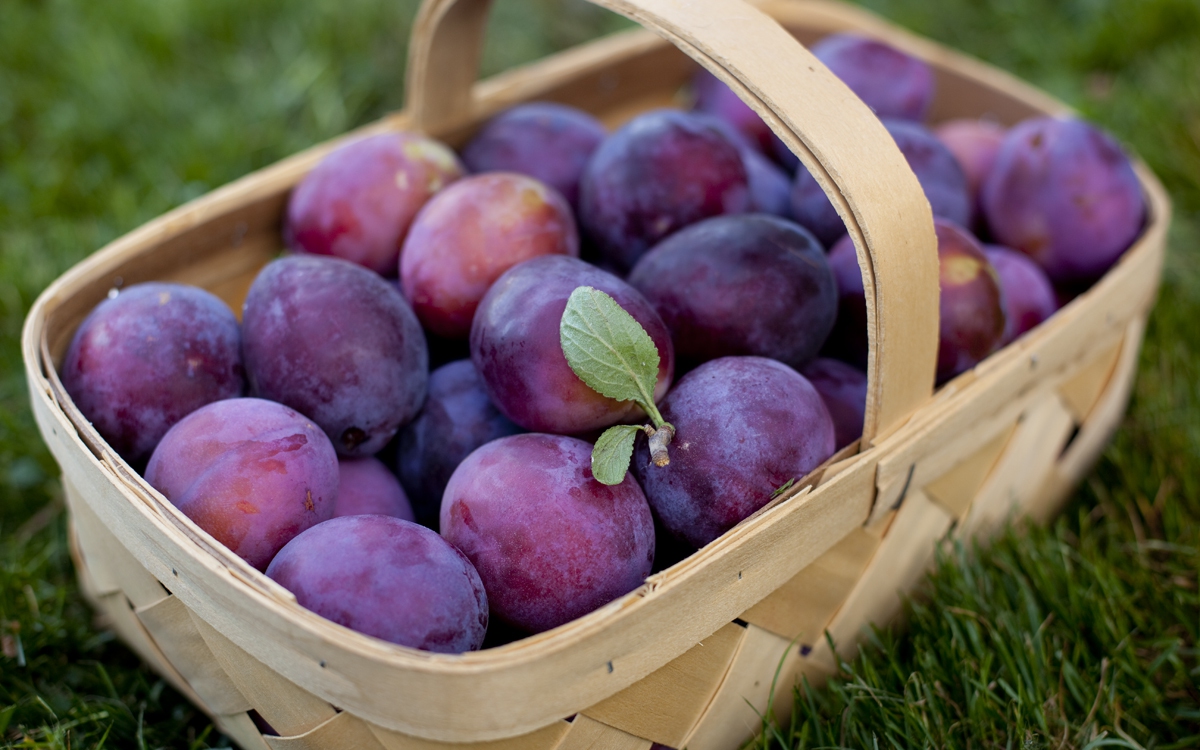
{"points": [[120, 616], [290, 709], [546, 738], [342, 732], [171, 626], [764, 664], [241, 729], [666, 704], [957, 488], [1081, 391], [588, 734], [801, 608]]}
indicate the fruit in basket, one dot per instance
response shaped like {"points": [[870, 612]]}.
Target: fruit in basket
{"points": [[469, 234], [457, 418], [359, 201], [1064, 193], [713, 97], [147, 357], [936, 169], [388, 578], [848, 341], [337, 343], [971, 307], [367, 487], [844, 390], [742, 284], [891, 82], [547, 141], [770, 187], [744, 426], [549, 541], [1028, 296], [975, 144], [515, 344], [661, 171], [250, 472]]}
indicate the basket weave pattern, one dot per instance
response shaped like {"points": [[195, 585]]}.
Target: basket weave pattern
{"points": [[1010, 438]]}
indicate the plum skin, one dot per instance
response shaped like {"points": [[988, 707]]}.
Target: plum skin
{"points": [[367, 487], [544, 140], [849, 341], [338, 343], [843, 388], [457, 418], [358, 202], [469, 234], [250, 472], [744, 427], [146, 358], [516, 346], [747, 284], [550, 542], [1064, 193], [891, 82], [661, 171], [971, 310], [1028, 295], [388, 578]]}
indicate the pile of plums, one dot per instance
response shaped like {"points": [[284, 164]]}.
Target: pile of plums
{"points": [[314, 441]]}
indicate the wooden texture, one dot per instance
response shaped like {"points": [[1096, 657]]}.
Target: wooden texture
{"points": [[803, 563]]}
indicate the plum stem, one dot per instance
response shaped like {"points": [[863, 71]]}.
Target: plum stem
{"points": [[659, 440]]}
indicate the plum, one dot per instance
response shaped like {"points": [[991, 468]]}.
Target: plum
{"points": [[849, 340], [975, 144], [147, 357], [516, 346], [547, 141], [937, 170], [457, 418], [844, 390], [713, 97], [469, 234], [388, 578], [770, 187], [661, 171], [359, 201], [744, 427], [971, 308], [338, 343], [250, 472], [741, 284], [549, 541], [367, 487], [1028, 295], [890, 82], [1064, 193]]}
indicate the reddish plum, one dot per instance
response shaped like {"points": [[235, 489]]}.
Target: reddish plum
{"points": [[252, 473], [1028, 295], [890, 82], [714, 98], [387, 578], [844, 390], [743, 284], [516, 346], [547, 141], [849, 340], [660, 172], [457, 418], [975, 144], [744, 427], [549, 541], [469, 234], [149, 356], [367, 487], [971, 308], [1064, 193], [358, 202], [338, 343]]}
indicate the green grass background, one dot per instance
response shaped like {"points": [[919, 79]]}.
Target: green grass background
{"points": [[1079, 635]]}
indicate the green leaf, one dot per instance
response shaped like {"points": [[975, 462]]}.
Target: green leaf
{"points": [[611, 454], [783, 488], [607, 348]]}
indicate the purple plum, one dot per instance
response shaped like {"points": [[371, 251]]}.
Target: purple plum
{"points": [[971, 308], [844, 390], [849, 339], [367, 487], [890, 82], [1028, 295]]}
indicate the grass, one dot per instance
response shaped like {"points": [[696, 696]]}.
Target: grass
{"points": [[1080, 635]]}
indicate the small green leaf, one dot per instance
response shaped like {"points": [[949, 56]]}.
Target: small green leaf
{"points": [[611, 454], [780, 489], [607, 348]]}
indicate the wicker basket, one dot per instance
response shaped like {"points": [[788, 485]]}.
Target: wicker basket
{"points": [[690, 658]]}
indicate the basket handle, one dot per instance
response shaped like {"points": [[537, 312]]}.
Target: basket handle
{"points": [[836, 136]]}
